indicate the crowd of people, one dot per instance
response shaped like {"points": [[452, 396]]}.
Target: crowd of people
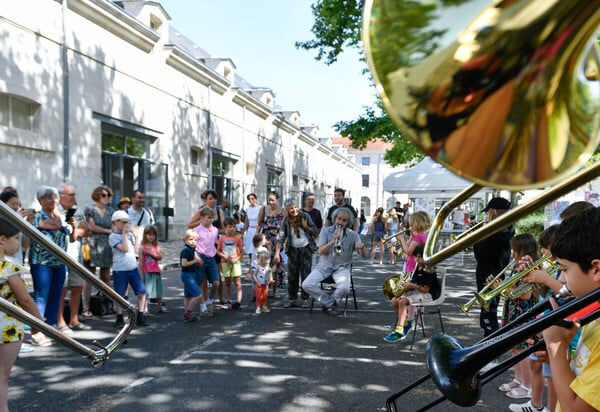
{"points": [[297, 243]]}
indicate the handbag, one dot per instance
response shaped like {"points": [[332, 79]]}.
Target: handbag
{"points": [[101, 305], [86, 250]]}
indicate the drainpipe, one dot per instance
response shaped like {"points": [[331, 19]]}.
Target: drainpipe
{"points": [[65, 67]]}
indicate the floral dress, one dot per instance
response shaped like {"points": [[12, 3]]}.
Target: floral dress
{"points": [[100, 249], [11, 328], [270, 228], [513, 308]]}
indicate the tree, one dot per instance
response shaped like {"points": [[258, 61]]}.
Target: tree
{"points": [[338, 25]]}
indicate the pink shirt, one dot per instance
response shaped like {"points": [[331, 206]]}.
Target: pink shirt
{"points": [[150, 265], [207, 239], [411, 261]]}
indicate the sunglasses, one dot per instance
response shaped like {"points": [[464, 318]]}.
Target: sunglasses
{"points": [[109, 195]]}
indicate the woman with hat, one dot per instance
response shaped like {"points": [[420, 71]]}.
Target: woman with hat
{"points": [[492, 255]]}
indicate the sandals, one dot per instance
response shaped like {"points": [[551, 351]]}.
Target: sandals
{"points": [[507, 387], [519, 393], [87, 314]]}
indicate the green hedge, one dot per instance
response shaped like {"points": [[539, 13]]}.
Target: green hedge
{"points": [[534, 224]]}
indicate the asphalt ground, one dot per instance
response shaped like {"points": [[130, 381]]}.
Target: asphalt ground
{"points": [[287, 360]]}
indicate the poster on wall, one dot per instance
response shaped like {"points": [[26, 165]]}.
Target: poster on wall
{"points": [[593, 196], [426, 204]]}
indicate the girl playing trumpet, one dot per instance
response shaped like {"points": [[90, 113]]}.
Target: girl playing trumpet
{"points": [[520, 387]]}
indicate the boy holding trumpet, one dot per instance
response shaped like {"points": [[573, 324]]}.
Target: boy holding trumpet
{"points": [[576, 376]]}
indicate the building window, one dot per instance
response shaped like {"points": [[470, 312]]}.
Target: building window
{"points": [[17, 113], [366, 161], [365, 180], [274, 181], [195, 156]]}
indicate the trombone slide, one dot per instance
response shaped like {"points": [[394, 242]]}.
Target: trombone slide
{"points": [[98, 357]]}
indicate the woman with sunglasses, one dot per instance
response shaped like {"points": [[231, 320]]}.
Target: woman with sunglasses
{"points": [[98, 216]]}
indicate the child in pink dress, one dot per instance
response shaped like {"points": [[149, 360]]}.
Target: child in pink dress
{"points": [[149, 256]]}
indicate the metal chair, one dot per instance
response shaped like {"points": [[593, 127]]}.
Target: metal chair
{"points": [[434, 304], [329, 284]]}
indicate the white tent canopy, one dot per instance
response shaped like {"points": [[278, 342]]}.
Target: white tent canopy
{"points": [[427, 177]]}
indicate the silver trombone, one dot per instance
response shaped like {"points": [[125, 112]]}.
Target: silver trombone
{"points": [[102, 353]]}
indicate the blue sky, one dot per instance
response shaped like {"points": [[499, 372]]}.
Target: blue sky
{"points": [[259, 37]]}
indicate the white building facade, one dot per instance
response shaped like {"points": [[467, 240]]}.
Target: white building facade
{"points": [[371, 194], [100, 92]]}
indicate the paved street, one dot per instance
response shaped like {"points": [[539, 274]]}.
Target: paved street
{"points": [[287, 360]]}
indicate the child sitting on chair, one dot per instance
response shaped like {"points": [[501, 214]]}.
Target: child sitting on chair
{"points": [[423, 287]]}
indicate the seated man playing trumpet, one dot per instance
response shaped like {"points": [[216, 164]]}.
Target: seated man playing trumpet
{"points": [[336, 246], [423, 287]]}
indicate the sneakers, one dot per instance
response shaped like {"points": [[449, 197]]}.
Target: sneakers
{"points": [[25, 348], [290, 304], [305, 304], [163, 309], [226, 305], [526, 407], [189, 317], [334, 310], [257, 311], [265, 309], [206, 314], [120, 322], [236, 305], [140, 319], [394, 336], [407, 326]]}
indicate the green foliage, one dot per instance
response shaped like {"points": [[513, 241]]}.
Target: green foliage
{"points": [[338, 25], [370, 126], [533, 223]]}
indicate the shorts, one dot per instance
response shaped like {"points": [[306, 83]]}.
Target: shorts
{"points": [[208, 268], [232, 270], [73, 280], [414, 297], [190, 286], [377, 236], [153, 284], [121, 278], [546, 371]]}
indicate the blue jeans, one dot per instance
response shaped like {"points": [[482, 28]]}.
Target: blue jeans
{"points": [[48, 282]]}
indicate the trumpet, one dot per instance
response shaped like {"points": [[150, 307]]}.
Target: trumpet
{"points": [[337, 248], [477, 298], [392, 241], [528, 287], [443, 99], [504, 288], [454, 238], [393, 286]]}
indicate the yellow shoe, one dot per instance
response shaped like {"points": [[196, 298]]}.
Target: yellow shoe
{"points": [[265, 309]]}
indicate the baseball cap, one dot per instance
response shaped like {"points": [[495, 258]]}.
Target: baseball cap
{"points": [[120, 215], [497, 203]]}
